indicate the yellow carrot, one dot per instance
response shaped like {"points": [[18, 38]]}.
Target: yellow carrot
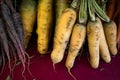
{"points": [[104, 51], [78, 35], [93, 34], [28, 15], [63, 31], [44, 25], [76, 42], [62, 34]]}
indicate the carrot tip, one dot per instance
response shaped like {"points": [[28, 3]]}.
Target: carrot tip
{"points": [[71, 74], [54, 67]]}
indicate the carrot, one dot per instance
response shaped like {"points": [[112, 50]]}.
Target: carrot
{"points": [[4, 42], [104, 51], [28, 16], [62, 34], [44, 25], [110, 8], [76, 42], [93, 37], [77, 37], [93, 30], [19, 28], [110, 30]]}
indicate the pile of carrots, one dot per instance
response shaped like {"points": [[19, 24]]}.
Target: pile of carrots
{"points": [[72, 24]]}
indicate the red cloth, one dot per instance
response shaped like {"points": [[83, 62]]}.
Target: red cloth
{"points": [[42, 69]]}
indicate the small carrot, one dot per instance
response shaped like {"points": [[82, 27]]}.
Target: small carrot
{"points": [[110, 30]]}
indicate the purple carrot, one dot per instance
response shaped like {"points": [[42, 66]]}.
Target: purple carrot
{"points": [[17, 22], [4, 42]]}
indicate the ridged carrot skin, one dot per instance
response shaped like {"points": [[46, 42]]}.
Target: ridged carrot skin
{"points": [[28, 15], [76, 42], [63, 31], [44, 25]]}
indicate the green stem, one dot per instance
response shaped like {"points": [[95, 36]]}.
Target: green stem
{"points": [[74, 4], [83, 12], [91, 11], [103, 4], [99, 11]]}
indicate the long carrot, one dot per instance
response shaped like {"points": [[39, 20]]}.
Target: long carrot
{"points": [[62, 33], [44, 25], [93, 36], [77, 37], [104, 51]]}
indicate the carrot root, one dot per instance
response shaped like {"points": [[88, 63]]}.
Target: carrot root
{"points": [[71, 74]]}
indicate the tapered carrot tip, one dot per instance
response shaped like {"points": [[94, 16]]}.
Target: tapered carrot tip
{"points": [[54, 67], [74, 78]]}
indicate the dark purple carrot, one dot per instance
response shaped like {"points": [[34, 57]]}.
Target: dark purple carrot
{"points": [[4, 42], [17, 22]]}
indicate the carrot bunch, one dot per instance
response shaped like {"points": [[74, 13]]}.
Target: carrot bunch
{"points": [[94, 25]]}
